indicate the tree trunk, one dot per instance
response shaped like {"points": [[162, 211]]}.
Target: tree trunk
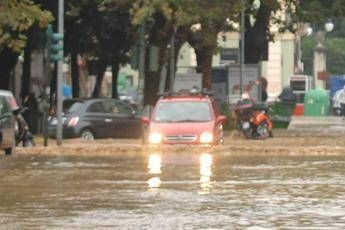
{"points": [[8, 60], [101, 66], [26, 79], [204, 61], [115, 71], [152, 78], [75, 74], [256, 37]]}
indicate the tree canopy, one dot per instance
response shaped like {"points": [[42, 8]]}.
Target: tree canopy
{"points": [[16, 18]]}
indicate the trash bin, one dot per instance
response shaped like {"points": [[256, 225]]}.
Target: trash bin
{"points": [[287, 103], [316, 103], [280, 122], [282, 110]]}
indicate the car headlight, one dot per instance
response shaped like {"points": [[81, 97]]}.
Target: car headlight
{"points": [[206, 137], [155, 138]]}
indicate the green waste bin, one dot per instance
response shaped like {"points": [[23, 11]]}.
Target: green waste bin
{"points": [[283, 108], [281, 112], [280, 122], [316, 103]]}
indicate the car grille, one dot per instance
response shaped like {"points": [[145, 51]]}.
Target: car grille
{"points": [[184, 138]]}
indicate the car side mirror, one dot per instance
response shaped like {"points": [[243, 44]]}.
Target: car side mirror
{"points": [[145, 120], [221, 119]]}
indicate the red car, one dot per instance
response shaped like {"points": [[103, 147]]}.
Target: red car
{"points": [[185, 118]]}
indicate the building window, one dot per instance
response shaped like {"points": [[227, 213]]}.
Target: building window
{"points": [[228, 56]]}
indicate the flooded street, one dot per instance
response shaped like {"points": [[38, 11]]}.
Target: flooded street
{"points": [[167, 190]]}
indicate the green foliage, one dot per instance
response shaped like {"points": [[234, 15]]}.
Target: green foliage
{"points": [[16, 18], [317, 11], [335, 55], [99, 29]]}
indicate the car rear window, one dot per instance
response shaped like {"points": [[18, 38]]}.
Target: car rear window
{"points": [[4, 108], [183, 111], [70, 106]]}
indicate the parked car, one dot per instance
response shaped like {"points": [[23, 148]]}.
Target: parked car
{"points": [[7, 122], [185, 118], [97, 118]]}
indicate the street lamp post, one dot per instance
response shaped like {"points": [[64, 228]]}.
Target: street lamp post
{"points": [[242, 70], [60, 78], [320, 57], [172, 59], [141, 66], [303, 29]]}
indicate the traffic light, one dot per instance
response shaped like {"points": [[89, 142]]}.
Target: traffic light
{"points": [[54, 45]]}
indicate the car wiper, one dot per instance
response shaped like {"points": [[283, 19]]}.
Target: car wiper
{"points": [[188, 120], [164, 120]]}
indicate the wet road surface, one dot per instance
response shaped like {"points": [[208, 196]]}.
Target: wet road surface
{"points": [[154, 190]]}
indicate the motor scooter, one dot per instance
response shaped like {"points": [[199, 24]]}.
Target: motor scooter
{"points": [[253, 119]]}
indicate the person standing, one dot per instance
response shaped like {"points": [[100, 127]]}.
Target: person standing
{"points": [[263, 84], [31, 113]]}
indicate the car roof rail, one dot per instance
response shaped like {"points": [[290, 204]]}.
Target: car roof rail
{"points": [[193, 91], [207, 92], [165, 94]]}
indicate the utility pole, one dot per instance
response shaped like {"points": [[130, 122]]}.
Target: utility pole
{"points": [[172, 60], [242, 71], [59, 90], [141, 66]]}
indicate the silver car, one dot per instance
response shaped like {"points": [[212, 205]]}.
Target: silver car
{"points": [[7, 122]]}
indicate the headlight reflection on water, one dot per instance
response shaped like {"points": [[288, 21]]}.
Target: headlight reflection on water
{"points": [[154, 167], [205, 171]]}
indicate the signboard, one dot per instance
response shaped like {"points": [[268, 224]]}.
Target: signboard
{"points": [[323, 75], [251, 75], [187, 81], [220, 84], [300, 83]]}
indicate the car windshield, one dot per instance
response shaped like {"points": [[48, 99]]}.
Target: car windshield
{"points": [[183, 111], [70, 106]]}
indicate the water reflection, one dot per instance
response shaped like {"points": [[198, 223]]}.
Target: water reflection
{"points": [[205, 171], [154, 167]]}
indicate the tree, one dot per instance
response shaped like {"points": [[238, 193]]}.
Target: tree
{"points": [[100, 30], [317, 12], [214, 17], [16, 18]]}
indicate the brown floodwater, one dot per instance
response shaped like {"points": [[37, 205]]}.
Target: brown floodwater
{"points": [[169, 189]]}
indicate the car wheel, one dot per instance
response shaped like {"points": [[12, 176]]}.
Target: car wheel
{"points": [[263, 131], [337, 112], [11, 150], [87, 134], [220, 137], [144, 135]]}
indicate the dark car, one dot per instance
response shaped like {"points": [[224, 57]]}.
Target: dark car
{"points": [[97, 118], [7, 122]]}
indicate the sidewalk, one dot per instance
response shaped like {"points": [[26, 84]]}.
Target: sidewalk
{"points": [[329, 123]]}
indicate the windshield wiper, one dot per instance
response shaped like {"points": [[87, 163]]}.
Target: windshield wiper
{"points": [[188, 120]]}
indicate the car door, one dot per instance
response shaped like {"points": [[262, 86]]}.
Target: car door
{"points": [[98, 119], [125, 123], [6, 123]]}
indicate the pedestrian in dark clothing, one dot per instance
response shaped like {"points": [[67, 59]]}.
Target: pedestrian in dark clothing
{"points": [[31, 113], [263, 84]]}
